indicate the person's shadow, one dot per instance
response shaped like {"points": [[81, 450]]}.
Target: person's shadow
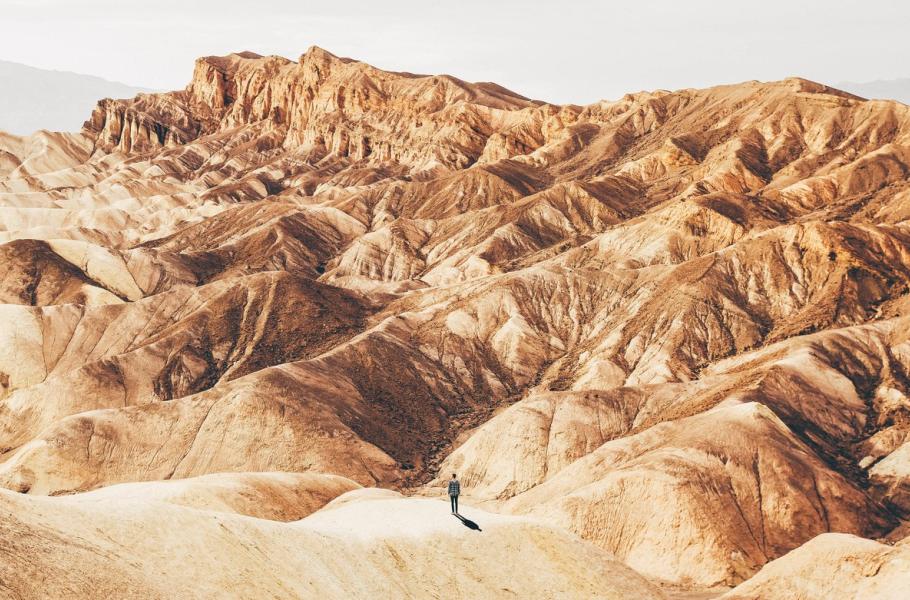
{"points": [[469, 523]]}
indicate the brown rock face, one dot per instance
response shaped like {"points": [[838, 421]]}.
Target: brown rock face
{"points": [[676, 325]]}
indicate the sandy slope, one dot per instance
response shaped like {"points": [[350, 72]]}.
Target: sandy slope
{"points": [[273, 496], [832, 566], [372, 548]]}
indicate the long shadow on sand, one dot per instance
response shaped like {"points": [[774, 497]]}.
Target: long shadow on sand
{"points": [[469, 523]]}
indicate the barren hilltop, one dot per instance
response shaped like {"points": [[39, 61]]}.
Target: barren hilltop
{"points": [[664, 341]]}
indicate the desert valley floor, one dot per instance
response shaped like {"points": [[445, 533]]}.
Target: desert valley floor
{"points": [[249, 329]]}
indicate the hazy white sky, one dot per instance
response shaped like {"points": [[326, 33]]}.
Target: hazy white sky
{"points": [[568, 51]]}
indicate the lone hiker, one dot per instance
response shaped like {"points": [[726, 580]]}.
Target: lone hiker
{"points": [[454, 490]]}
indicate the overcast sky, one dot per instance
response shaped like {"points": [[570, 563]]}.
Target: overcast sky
{"points": [[561, 51]]}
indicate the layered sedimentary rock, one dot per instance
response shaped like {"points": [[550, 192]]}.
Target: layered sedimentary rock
{"points": [[673, 324]]}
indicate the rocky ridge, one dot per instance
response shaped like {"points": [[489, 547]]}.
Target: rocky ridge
{"points": [[674, 324]]}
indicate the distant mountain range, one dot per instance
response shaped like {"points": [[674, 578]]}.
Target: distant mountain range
{"points": [[34, 99], [882, 89]]}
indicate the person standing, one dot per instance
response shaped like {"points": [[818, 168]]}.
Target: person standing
{"points": [[454, 490]]}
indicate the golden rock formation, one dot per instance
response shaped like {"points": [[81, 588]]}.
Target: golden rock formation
{"points": [[675, 325]]}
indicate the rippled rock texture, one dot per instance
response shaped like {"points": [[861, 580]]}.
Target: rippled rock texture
{"points": [[675, 325]]}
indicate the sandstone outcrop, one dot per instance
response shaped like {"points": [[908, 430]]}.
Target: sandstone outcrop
{"points": [[674, 324]]}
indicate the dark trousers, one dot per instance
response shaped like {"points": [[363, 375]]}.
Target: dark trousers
{"points": [[454, 499]]}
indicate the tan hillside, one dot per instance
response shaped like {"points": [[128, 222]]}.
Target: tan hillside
{"points": [[832, 565], [675, 325], [146, 548]]}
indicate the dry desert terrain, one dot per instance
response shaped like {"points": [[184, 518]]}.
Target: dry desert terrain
{"points": [[248, 329]]}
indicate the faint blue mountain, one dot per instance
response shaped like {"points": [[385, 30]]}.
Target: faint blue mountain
{"points": [[882, 89], [33, 99]]}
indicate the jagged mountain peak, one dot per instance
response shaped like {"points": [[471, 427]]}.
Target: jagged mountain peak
{"points": [[316, 53]]}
